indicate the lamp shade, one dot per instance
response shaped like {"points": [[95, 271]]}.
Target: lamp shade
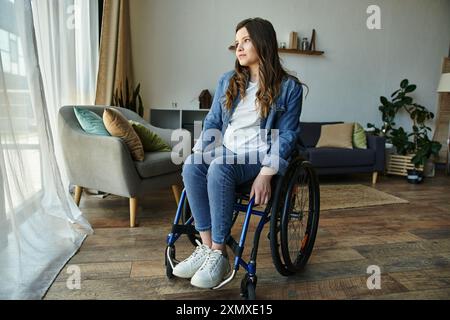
{"points": [[444, 84]]}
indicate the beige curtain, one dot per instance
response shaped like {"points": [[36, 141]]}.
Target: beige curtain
{"points": [[115, 50]]}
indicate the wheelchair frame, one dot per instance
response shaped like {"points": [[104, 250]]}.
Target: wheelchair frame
{"points": [[285, 186]]}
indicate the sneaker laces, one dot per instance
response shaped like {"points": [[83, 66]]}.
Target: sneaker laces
{"points": [[198, 251], [212, 259]]}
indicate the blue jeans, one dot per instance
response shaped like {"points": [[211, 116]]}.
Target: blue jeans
{"points": [[210, 187]]}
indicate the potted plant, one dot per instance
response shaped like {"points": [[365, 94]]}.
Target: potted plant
{"points": [[423, 147], [389, 109], [131, 101], [425, 150], [416, 147]]}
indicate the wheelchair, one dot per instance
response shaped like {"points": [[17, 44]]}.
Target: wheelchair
{"points": [[293, 212]]}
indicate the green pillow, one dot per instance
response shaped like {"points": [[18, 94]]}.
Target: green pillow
{"points": [[150, 140], [359, 137], [91, 122]]}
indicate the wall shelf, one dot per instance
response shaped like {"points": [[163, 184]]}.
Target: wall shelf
{"points": [[292, 51]]}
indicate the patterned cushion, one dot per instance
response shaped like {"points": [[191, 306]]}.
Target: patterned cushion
{"points": [[90, 122], [359, 137]]}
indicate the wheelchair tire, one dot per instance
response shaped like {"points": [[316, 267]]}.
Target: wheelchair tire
{"points": [[275, 228], [185, 215], [300, 217], [248, 288]]}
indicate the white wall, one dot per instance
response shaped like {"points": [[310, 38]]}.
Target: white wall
{"points": [[180, 48]]}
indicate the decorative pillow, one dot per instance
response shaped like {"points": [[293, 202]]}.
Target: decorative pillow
{"points": [[336, 136], [150, 140], [90, 122], [118, 126], [359, 137]]}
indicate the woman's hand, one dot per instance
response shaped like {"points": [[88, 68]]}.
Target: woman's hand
{"points": [[261, 189]]}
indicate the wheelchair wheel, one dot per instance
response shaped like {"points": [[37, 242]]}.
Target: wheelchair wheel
{"points": [[185, 215], [248, 287], [275, 229], [299, 217]]}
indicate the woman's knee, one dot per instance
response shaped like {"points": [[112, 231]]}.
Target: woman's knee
{"points": [[219, 170], [191, 168]]}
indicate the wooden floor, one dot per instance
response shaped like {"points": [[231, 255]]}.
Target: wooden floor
{"points": [[409, 242]]}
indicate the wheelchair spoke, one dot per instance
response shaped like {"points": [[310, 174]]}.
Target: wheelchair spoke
{"points": [[298, 218]]}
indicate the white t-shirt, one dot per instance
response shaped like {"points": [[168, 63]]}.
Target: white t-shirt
{"points": [[243, 132]]}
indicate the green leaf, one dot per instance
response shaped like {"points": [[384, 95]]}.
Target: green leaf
{"points": [[410, 88], [127, 92], [407, 100], [392, 95], [404, 83], [141, 106], [384, 101]]}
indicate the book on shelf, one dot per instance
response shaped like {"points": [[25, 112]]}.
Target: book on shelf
{"points": [[293, 40]]}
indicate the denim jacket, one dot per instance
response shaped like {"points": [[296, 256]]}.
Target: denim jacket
{"points": [[284, 115]]}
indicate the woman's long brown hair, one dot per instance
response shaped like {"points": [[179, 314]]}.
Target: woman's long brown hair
{"points": [[271, 73]]}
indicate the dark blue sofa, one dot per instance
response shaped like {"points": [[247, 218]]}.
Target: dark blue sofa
{"points": [[341, 161]]}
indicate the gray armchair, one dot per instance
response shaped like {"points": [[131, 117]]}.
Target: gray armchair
{"points": [[105, 164]]}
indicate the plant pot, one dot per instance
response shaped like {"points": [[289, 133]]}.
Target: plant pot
{"points": [[415, 176]]}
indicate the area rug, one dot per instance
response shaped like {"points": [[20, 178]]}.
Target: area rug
{"points": [[354, 196]]}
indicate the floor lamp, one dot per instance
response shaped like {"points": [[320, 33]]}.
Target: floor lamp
{"points": [[444, 88]]}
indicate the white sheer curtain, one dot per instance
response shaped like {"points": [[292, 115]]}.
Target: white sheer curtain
{"points": [[67, 37], [40, 226]]}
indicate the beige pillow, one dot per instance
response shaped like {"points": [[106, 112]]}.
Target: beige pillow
{"points": [[336, 136], [118, 126]]}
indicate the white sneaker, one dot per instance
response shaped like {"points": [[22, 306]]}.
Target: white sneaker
{"points": [[212, 272], [188, 267]]}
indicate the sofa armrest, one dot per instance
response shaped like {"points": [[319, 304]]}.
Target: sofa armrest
{"points": [[98, 162], [379, 145]]}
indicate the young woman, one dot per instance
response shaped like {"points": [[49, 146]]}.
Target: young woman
{"points": [[254, 120]]}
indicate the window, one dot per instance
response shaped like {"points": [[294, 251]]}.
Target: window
{"points": [[23, 142], [12, 53]]}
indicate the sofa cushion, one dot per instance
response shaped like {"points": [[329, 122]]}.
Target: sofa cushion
{"points": [[359, 137], [337, 157], [150, 140], [118, 126], [336, 136], [155, 164], [310, 132], [90, 122]]}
